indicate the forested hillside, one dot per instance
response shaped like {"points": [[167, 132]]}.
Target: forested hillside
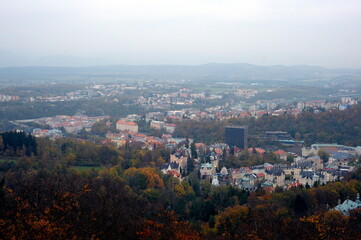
{"points": [[51, 195], [342, 127]]}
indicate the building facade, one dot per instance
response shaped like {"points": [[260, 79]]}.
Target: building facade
{"points": [[127, 126], [236, 136]]}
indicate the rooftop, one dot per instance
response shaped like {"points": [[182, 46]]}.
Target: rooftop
{"points": [[127, 123]]}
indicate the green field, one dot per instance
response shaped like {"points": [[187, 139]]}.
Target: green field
{"points": [[87, 168]]}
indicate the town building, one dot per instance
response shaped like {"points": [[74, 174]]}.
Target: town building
{"points": [[127, 126], [276, 176], [157, 124], [207, 169], [237, 136], [348, 205], [180, 159]]}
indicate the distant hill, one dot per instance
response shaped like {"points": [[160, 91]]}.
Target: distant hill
{"points": [[212, 72], [8, 59]]}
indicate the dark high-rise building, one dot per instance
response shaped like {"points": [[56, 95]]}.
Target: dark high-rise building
{"points": [[237, 136]]}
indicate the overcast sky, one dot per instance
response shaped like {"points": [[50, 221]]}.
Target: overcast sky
{"points": [[289, 32]]}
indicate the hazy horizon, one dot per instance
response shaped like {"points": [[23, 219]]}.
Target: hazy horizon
{"points": [[84, 64], [89, 33]]}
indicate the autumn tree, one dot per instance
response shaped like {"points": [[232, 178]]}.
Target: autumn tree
{"points": [[323, 155], [232, 221], [166, 226], [142, 178]]}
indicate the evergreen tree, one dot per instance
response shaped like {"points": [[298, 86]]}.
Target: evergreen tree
{"points": [[190, 165], [1, 143], [187, 143], [194, 151]]}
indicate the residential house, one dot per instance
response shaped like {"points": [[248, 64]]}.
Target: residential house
{"points": [[310, 178], [207, 169], [294, 185], [340, 158], [318, 162], [276, 176], [180, 159], [281, 154], [348, 205], [173, 169]]}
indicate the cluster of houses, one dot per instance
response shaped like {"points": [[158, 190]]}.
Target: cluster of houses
{"points": [[128, 133], [93, 91], [144, 141], [232, 108], [306, 171], [339, 154], [8, 98], [177, 166], [183, 97], [71, 124], [50, 133]]}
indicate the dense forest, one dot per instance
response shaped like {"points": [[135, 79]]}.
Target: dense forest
{"points": [[342, 127], [89, 107], [52, 195], [18, 143]]}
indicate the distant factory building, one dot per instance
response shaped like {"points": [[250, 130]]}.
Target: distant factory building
{"points": [[237, 136]]}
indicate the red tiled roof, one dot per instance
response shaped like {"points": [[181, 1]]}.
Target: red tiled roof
{"points": [[139, 135], [244, 114], [295, 184], [280, 152], [261, 113], [174, 173], [260, 150], [127, 123], [261, 175]]}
